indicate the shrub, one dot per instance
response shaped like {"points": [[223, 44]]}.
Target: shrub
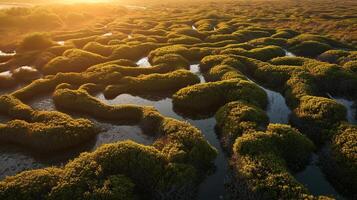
{"points": [[174, 60], [268, 41], [42, 130], [351, 66], [339, 162], [220, 37], [262, 162], [80, 101], [81, 42], [316, 115], [174, 49], [287, 60], [184, 40], [316, 38], [217, 94], [223, 72], [310, 48], [333, 56], [154, 82], [280, 73], [133, 52], [98, 48], [35, 41], [246, 35], [73, 60], [236, 118]]}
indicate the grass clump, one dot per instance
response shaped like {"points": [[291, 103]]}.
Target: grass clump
{"points": [[73, 60], [154, 82], [172, 60], [42, 130], [316, 115], [35, 42], [262, 161], [217, 94], [236, 118], [339, 162], [310, 48]]}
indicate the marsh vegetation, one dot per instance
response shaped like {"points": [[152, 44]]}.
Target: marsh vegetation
{"points": [[238, 100]]}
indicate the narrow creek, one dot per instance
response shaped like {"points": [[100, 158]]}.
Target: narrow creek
{"points": [[277, 110]]}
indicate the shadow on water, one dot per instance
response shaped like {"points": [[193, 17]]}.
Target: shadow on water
{"points": [[277, 110], [314, 179]]}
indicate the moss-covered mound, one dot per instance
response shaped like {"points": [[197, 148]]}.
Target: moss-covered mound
{"points": [[236, 118], [154, 82], [316, 115], [217, 94], [73, 60], [310, 48], [34, 42], [340, 161], [262, 161], [42, 130], [264, 53]]}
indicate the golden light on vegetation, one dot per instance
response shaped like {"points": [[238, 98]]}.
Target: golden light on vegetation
{"points": [[166, 99]]}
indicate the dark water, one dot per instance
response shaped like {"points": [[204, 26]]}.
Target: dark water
{"points": [[277, 110], [314, 179]]}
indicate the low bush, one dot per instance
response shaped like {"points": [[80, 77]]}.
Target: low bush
{"points": [[223, 72], [97, 48], [287, 60], [333, 56], [173, 60], [35, 42], [263, 54], [184, 40], [154, 82], [262, 161], [42, 130], [351, 66], [310, 48], [339, 162], [175, 49], [217, 94], [236, 118], [315, 116], [73, 60]]}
